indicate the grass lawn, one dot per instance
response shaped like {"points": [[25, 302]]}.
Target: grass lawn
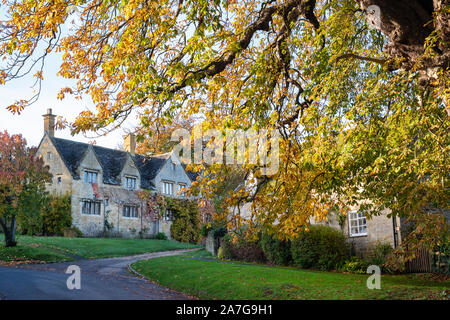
{"points": [[213, 279], [52, 249]]}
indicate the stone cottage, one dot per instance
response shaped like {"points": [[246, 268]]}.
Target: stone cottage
{"points": [[362, 233], [104, 183]]}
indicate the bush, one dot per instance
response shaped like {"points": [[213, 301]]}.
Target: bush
{"points": [[220, 255], [57, 216], [161, 236], [322, 247], [380, 255], [186, 225], [355, 265], [276, 251], [243, 249]]}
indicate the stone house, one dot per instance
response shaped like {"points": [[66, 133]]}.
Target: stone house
{"points": [[104, 183], [362, 233]]}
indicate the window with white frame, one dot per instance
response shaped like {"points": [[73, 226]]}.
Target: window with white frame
{"points": [[181, 189], [357, 224], [168, 215], [130, 211], [90, 176], [167, 188], [174, 166], [130, 183], [90, 207]]}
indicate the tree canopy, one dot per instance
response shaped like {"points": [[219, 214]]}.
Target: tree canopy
{"points": [[358, 89]]}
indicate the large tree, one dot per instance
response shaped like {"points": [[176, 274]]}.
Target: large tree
{"points": [[22, 183], [357, 89]]}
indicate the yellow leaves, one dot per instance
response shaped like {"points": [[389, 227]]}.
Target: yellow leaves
{"points": [[63, 91], [39, 75], [17, 107]]}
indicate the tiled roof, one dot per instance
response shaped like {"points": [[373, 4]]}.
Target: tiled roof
{"points": [[112, 161]]}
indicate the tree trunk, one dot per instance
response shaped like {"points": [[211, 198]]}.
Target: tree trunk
{"points": [[10, 233], [408, 23]]}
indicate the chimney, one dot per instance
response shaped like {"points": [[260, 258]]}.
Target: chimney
{"points": [[49, 122], [129, 143]]}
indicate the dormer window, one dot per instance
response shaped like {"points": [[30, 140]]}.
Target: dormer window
{"points": [[130, 183], [90, 176]]}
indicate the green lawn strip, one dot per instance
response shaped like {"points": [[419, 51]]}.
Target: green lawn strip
{"points": [[104, 247], [52, 249], [27, 253], [216, 280]]}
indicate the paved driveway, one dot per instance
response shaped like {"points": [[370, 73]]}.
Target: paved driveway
{"points": [[100, 279]]}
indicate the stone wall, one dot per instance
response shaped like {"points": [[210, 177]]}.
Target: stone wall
{"points": [[62, 179]]}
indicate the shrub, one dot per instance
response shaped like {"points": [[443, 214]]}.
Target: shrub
{"points": [[161, 236], [276, 251], [322, 247], [355, 265], [186, 224], [242, 249], [220, 255], [380, 255], [57, 216]]}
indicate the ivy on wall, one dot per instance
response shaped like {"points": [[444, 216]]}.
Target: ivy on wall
{"points": [[186, 226]]}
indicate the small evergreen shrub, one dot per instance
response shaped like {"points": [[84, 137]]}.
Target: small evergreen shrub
{"points": [[276, 251], [322, 247], [161, 236], [57, 216], [186, 226]]}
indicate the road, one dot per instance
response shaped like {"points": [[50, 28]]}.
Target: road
{"points": [[101, 279]]}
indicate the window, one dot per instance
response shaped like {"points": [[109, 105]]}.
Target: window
{"points": [[357, 224], [167, 188], [130, 182], [181, 189], [130, 211], [58, 180], [106, 202], [168, 215], [174, 166], [90, 207], [49, 155], [90, 177]]}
